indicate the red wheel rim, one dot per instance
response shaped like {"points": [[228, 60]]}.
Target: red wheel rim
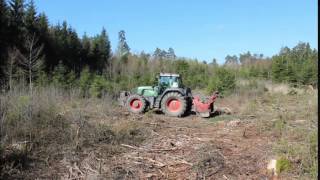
{"points": [[136, 104], [173, 105]]}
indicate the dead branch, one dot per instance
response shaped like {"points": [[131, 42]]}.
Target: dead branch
{"points": [[149, 150]]}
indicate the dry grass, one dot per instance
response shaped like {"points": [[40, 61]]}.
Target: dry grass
{"points": [[290, 118], [52, 123]]}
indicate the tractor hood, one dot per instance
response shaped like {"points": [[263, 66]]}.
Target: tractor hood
{"points": [[145, 91]]}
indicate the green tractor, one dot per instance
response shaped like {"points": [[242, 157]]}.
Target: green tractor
{"points": [[168, 95]]}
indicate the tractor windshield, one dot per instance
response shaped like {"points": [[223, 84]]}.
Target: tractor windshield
{"points": [[169, 81]]}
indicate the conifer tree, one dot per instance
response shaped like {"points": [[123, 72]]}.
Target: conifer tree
{"points": [[123, 47], [16, 22], [30, 18]]}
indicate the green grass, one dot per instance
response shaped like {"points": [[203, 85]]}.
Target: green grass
{"points": [[283, 165]]}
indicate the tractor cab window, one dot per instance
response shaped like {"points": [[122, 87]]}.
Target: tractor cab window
{"points": [[169, 81], [164, 81]]}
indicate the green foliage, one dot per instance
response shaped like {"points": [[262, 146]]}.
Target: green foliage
{"points": [[99, 86], [283, 164], [296, 66], [71, 80], [85, 81], [30, 18], [58, 74], [42, 79], [223, 81], [312, 166], [182, 67]]}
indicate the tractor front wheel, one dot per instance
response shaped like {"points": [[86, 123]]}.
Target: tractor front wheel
{"points": [[136, 104], [174, 104]]}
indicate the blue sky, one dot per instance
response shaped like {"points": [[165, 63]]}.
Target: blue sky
{"points": [[201, 29]]}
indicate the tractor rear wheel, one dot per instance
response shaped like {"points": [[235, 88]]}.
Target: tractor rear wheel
{"points": [[174, 104], [136, 104]]}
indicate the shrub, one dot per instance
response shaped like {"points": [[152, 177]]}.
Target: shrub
{"points": [[84, 81], [99, 86], [224, 81], [58, 74], [42, 79], [71, 80]]}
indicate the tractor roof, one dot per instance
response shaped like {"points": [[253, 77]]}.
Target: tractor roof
{"points": [[170, 74]]}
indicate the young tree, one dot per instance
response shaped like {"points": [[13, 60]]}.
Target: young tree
{"points": [[85, 81], [33, 60], [58, 75], [223, 81], [11, 65], [123, 47]]}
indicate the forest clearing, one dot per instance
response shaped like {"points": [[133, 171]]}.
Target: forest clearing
{"points": [[211, 90], [74, 138]]}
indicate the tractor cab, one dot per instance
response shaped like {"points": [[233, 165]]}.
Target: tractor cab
{"points": [[164, 81], [168, 80]]}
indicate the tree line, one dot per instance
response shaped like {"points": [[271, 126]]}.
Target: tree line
{"points": [[34, 52]]}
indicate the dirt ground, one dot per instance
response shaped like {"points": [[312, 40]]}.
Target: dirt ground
{"points": [[193, 148], [176, 148]]}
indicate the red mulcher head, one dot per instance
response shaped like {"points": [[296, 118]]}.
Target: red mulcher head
{"points": [[204, 109]]}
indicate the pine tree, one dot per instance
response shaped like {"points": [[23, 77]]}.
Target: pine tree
{"points": [[278, 68], [85, 81], [31, 18], [171, 54], [156, 53], [123, 47], [102, 51], [58, 75], [4, 42], [43, 23], [163, 54], [214, 62], [16, 22], [231, 61], [85, 53], [4, 20]]}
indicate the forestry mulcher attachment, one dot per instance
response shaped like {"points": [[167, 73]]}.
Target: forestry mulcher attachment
{"points": [[169, 96]]}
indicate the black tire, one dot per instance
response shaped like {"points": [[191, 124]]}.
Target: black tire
{"points": [[136, 104], [174, 96]]}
